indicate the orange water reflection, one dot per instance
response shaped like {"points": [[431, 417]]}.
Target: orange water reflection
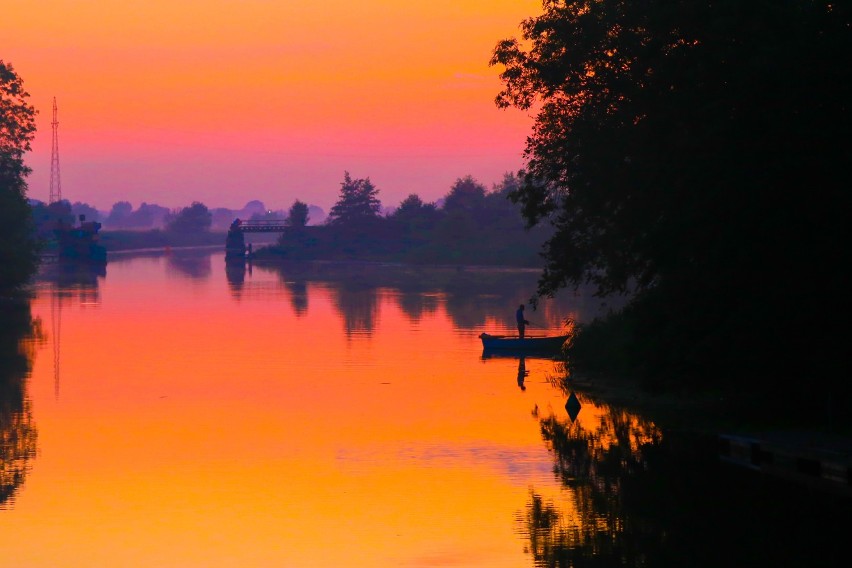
{"points": [[288, 419]]}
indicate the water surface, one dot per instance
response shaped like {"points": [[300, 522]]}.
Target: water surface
{"points": [[315, 415], [175, 411]]}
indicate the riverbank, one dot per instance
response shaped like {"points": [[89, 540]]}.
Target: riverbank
{"points": [[157, 239]]}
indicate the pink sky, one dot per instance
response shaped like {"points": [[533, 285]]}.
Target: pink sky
{"points": [[223, 101]]}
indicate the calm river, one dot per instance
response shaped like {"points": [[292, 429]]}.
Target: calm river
{"points": [[173, 412]]}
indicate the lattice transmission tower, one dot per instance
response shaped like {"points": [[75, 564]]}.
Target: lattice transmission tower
{"points": [[55, 181]]}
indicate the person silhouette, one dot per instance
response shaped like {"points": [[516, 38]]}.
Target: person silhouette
{"points": [[522, 323]]}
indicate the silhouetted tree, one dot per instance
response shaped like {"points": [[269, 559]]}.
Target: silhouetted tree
{"points": [[295, 240], [298, 214], [48, 217], [193, 219], [119, 213], [415, 216], [696, 153], [357, 203], [147, 215], [466, 194], [18, 247]]}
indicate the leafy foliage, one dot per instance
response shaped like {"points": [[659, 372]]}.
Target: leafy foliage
{"points": [[475, 226], [298, 214], [18, 248], [466, 194], [694, 153], [17, 116], [358, 202], [193, 219]]}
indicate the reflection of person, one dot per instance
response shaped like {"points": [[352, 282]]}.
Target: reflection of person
{"points": [[522, 373], [519, 315]]}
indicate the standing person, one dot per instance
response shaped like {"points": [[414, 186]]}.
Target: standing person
{"points": [[519, 315]]}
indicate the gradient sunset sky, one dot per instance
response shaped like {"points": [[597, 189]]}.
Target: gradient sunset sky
{"points": [[223, 101]]}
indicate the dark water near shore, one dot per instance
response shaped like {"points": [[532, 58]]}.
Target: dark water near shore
{"points": [[173, 411]]}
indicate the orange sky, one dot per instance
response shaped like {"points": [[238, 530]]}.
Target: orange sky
{"points": [[224, 101]]}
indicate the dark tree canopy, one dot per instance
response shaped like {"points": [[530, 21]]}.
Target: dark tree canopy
{"points": [[298, 214], [193, 219], [18, 250], [358, 202], [17, 116], [695, 153], [413, 208], [466, 194], [119, 214]]}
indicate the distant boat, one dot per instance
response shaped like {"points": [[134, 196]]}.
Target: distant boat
{"points": [[80, 244], [529, 344]]}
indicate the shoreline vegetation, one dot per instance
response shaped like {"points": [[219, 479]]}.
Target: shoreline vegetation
{"points": [[115, 241]]}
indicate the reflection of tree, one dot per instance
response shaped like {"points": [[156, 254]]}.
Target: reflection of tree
{"points": [[634, 498], [298, 296], [194, 264], [17, 432], [235, 272], [611, 449], [595, 464], [473, 297], [415, 305], [359, 307], [295, 278]]}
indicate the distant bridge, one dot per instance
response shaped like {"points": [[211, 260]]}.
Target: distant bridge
{"points": [[235, 243], [260, 226]]}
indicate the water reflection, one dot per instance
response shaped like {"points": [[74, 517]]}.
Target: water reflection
{"points": [[298, 290], [358, 306], [470, 295], [235, 272], [19, 335], [522, 372], [193, 264], [70, 282], [438, 460], [77, 280], [594, 459], [415, 305], [631, 496]]}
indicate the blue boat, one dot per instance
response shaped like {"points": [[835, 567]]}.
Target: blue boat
{"points": [[80, 244]]}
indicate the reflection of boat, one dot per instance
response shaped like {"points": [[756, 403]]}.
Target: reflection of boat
{"points": [[552, 354], [531, 344]]}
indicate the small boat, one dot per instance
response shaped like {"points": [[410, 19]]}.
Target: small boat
{"points": [[532, 343], [80, 244]]}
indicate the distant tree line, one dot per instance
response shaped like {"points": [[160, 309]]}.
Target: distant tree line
{"points": [[469, 225], [148, 216]]}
